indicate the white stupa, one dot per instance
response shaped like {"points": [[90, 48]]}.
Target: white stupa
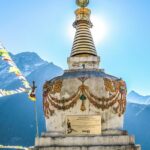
{"points": [[84, 108]]}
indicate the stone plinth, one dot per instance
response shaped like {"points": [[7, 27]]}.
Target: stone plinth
{"points": [[110, 140]]}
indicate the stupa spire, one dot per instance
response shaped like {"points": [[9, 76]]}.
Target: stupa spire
{"points": [[83, 41], [83, 50]]}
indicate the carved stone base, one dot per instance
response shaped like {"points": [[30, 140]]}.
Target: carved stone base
{"points": [[110, 140]]}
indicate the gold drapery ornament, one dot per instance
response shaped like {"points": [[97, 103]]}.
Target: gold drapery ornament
{"points": [[117, 99]]}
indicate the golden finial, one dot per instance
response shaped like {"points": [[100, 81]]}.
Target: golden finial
{"points": [[82, 3]]}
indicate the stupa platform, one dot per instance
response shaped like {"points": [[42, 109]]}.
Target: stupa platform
{"points": [[109, 140]]}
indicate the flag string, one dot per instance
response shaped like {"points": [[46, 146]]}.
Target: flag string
{"points": [[15, 70]]}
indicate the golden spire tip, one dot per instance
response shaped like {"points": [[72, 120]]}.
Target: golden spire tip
{"points": [[82, 3]]}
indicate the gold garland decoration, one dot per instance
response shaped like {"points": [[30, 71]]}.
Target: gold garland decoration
{"points": [[100, 103], [109, 85], [53, 88], [64, 100], [64, 106], [47, 110]]}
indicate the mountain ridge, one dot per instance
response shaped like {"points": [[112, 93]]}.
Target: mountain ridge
{"points": [[27, 62], [17, 121], [134, 97]]}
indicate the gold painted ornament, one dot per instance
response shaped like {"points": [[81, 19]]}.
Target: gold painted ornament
{"points": [[116, 100], [82, 3], [83, 108]]}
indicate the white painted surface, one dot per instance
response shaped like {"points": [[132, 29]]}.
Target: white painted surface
{"points": [[110, 120]]}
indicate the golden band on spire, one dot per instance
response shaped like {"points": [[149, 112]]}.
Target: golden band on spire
{"points": [[84, 11]]}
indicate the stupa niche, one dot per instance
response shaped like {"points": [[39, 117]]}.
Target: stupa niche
{"points": [[84, 108]]}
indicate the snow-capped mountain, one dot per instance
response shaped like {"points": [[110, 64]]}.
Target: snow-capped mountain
{"points": [[136, 122], [134, 97], [28, 63], [137, 118], [17, 122]]}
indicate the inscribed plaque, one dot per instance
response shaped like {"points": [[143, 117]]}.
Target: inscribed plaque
{"points": [[83, 125]]}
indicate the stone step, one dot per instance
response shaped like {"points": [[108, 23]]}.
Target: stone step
{"points": [[127, 147], [104, 132], [86, 140]]}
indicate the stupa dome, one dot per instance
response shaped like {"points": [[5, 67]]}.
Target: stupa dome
{"points": [[84, 92]]}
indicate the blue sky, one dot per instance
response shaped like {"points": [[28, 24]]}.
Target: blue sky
{"points": [[42, 26]]}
